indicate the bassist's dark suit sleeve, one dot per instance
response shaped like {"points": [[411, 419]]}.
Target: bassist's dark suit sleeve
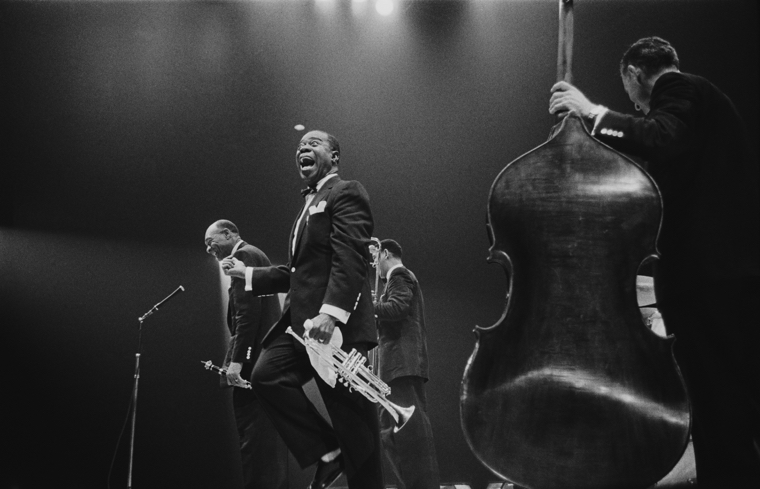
{"points": [[665, 133]]}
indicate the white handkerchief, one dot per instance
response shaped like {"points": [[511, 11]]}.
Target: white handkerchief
{"points": [[322, 366], [316, 209]]}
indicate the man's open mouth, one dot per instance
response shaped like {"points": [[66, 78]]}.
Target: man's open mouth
{"points": [[306, 162]]}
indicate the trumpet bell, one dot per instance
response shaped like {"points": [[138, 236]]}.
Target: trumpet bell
{"points": [[400, 415]]}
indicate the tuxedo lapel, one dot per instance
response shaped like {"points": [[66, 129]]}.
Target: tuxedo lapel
{"points": [[301, 223], [292, 245], [319, 196]]}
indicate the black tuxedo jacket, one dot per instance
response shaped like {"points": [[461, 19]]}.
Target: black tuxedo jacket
{"points": [[698, 153], [248, 317], [329, 264], [402, 349]]}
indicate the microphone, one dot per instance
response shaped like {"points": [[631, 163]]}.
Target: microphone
{"points": [[179, 289], [155, 308]]}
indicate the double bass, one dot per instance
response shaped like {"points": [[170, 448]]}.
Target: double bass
{"points": [[570, 389]]}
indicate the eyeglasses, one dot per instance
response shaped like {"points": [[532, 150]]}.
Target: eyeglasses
{"points": [[212, 240]]}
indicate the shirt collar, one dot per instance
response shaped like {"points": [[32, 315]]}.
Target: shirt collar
{"points": [[324, 179], [388, 275], [237, 245]]}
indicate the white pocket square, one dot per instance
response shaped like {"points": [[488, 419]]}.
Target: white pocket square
{"points": [[316, 209]]}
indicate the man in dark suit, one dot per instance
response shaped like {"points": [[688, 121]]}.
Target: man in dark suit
{"points": [[263, 453], [403, 365], [707, 282], [326, 281]]}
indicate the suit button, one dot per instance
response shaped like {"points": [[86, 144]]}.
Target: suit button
{"points": [[293, 270]]}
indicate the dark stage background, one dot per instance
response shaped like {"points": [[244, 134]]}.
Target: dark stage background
{"points": [[131, 126]]}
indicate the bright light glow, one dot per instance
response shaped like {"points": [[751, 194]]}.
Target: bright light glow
{"points": [[325, 5], [358, 7], [384, 7]]}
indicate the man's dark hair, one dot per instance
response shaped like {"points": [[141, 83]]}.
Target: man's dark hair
{"points": [[333, 143], [331, 140], [228, 225], [392, 246], [651, 54]]}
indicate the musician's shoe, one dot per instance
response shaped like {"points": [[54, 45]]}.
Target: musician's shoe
{"points": [[327, 473]]}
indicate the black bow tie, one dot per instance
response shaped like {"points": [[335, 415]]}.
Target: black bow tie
{"points": [[308, 190]]}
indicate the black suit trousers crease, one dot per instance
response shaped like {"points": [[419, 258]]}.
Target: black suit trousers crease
{"points": [[278, 377], [264, 456]]}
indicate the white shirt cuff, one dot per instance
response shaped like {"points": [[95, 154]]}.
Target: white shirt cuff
{"points": [[599, 113], [248, 278], [335, 312]]}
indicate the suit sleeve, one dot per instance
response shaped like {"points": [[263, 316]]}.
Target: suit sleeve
{"points": [[352, 227], [268, 280], [666, 131], [399, 295], [247, 311]]}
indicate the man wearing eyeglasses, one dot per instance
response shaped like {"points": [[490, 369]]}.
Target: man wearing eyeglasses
{"points": [[263, 453]]}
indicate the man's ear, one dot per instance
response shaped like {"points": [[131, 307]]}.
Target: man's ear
{"points": [[636, 74]]}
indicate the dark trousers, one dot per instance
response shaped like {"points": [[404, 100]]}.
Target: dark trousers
{"points": [[717, 328], [280, 372], [411, 451], [263, 454]]}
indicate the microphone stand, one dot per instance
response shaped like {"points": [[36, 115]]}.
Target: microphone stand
{"points": [[134, 403], [141, 319]]}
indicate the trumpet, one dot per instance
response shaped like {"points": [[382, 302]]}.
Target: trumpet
{"points": [[223, 371], [357, 377]]}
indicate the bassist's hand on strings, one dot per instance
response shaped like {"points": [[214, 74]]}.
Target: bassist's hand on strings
{"points": [[566, 98]]}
